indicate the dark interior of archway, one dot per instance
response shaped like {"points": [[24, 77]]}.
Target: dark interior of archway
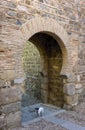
{"points": [[52, 83], [46, 43]]}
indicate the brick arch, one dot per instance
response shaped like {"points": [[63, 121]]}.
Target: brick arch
{"points": [[51, 27]]}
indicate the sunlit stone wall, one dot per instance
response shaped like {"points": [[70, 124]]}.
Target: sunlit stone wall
{"points": [[16, 13]]}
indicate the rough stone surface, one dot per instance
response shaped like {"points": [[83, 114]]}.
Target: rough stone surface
{"points": [[62, 120], [13, 119], [13, 107], [69, 89], [10, 95], [42, 125], [73, 117], [61, 46], [71, 100]]}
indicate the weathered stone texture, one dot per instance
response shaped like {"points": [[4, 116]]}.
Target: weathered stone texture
{"points": [[13, 107], [13, 119], [69, 89], [9, 95], [64, 21], [71, 100]]}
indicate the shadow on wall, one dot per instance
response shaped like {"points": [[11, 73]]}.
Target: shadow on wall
{"points": [[31, 64]]}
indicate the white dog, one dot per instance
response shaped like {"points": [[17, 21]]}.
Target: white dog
{"points": [[40, 111]]}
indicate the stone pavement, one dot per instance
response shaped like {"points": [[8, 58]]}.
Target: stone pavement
{"points": [[57, 120], [29, 114]]}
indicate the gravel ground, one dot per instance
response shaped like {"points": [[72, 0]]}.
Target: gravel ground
{"points": [[81, 108], [42, 125], [77, 116], [55, 127]]}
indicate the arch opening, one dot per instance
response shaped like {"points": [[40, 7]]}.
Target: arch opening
{"points": [[32, 66], [49, 85]]}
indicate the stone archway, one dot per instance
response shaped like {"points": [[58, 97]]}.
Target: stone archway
{"points": [[52, 58], [41, 25], [23, 34]]}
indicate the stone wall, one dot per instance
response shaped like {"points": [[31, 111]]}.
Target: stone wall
{"points": [[21, 20], [32, 66]]}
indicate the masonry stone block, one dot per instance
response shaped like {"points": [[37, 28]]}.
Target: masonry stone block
{"points": [[3, 47], [8, 74], [71, 78], [10, 95], [13, 107], [1, 83], [69, 89], [79, 88], [19, 80], [78, 78], [71, 100]]}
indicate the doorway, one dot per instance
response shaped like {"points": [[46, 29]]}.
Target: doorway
{"points": [[42, 62]]}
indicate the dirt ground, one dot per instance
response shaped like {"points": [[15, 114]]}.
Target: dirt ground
{"points": [[76, 116]]}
